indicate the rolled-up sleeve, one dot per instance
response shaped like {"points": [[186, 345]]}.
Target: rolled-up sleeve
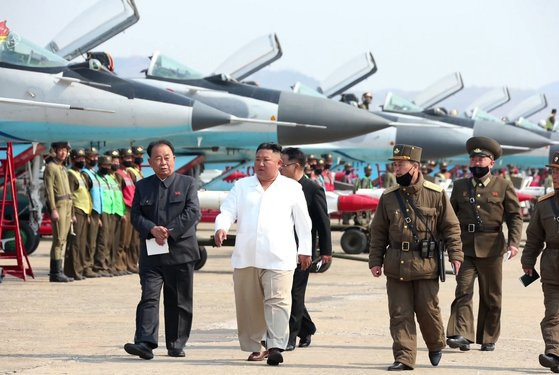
{"points": [[228, 211]]}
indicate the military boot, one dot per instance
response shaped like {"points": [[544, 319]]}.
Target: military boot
{"points": [[56, 275]]}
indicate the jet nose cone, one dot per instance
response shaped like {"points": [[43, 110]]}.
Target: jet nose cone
{"points": [[341, 120], [204, 116], [437, 143], [510, 135]]}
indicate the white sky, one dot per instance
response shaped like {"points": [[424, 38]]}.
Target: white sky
{"points": [[493, 43]]}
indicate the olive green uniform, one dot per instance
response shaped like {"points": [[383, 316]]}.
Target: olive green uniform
{"points": [[496, 202], [59, 198], [389, 180], [75, 262], [133, 255], [412, 282], [544, 230]]}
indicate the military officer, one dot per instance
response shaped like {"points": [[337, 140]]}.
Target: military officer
{"points": [[127, 186], [410, 217], [543, 230], [59, 202], [93, 183], [117, 216], [81, 201], [136, 174], [105, 237], [482, 203]]}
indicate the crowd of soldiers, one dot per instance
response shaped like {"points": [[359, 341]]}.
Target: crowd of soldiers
{"points": [[89, 205]]}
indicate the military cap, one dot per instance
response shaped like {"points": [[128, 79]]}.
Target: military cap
{"points": [[61, 144], [91, 151], [444, 164], [137, 150], [484, 146], [77, 152], [368, 168], [125, 152], [554, 162], [105, 159], [348, 165], [112, 153], [327, 156], [311, 157], [406, 152]]}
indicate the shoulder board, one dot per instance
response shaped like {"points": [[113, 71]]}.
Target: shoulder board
{"points": [[432, 186], [391, 189], [547, 196]]}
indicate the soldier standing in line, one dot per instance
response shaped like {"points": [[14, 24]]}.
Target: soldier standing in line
{"points": [[543, 230], [94, 187], [105, 234], [482, 203], [74, 265], [411, 218], [118, 268], [59, 203], [128, 188], [136, 174]]}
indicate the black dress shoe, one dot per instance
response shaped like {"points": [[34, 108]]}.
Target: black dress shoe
{"points": [[548, 360], [435, 357], [458, 342], [175, 353], [141, 350], [274, 357], [290, 347], [305, 341], [487, 347], [399, 366]]}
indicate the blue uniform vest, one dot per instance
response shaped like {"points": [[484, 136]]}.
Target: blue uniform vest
{"points": [[96, 191]]}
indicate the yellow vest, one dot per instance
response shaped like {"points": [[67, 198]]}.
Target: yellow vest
{"points": [[137, 173], [80, 197]]}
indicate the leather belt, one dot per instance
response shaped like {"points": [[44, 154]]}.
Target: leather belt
{"points": [[63, 197], [405, 246], [475, 228]]}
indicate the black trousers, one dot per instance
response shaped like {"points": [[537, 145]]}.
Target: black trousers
{"points": [[176, 281], [300, 322]]}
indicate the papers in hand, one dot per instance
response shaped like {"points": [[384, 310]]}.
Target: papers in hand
{"points": [[154, 249]]}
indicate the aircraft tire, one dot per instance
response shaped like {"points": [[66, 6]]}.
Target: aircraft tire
{"points": [[29, 238], [354, 241], [203, 258]]}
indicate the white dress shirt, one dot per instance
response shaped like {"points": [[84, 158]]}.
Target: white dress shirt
{"points": [[265, 220]]}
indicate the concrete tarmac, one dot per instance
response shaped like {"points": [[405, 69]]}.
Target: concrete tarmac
{"points": [[81, 327]]}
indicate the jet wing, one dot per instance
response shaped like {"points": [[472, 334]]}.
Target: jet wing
{"points": [[440, 90], [528, 107], [252, 57], [95, 25], [490, 101], [348, 75]]}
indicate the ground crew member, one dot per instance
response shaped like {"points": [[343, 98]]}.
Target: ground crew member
{"points": [[117, 268], [389, 179], [59, 203], [127, 188], [411, 217], [482, 203], [81, 201], [94, 187], [544, 230], [365, 182], [135, 172], [102, 261]]}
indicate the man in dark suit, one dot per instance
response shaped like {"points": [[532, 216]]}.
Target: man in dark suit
{"points": [[300, 322], [165, 211]]}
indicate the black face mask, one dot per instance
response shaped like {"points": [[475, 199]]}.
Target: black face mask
{"points": [[327, 166], [103, 171], [92, 163], [479, 172], [79, 164], [318, 171], [405, 179], [127, 163], [114, 167], [138, 161]]}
